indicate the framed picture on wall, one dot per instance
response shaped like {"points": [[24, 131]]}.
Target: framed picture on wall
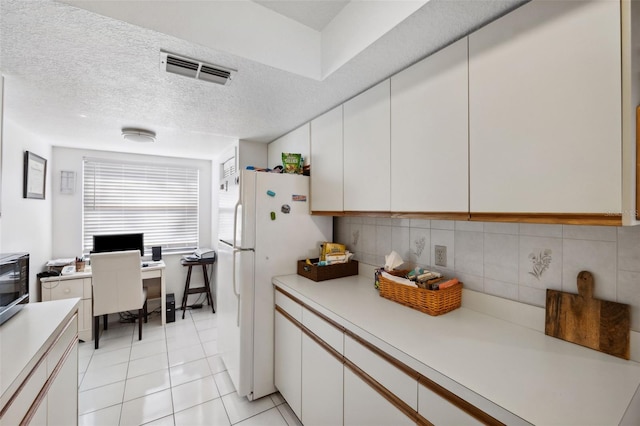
{"points": [[35, 174]]}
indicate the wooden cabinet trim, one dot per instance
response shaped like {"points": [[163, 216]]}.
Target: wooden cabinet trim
{"points": [[431, 215], [311, 334], [613, 219], [602, 219], [327, 213], [314, 311], [324, 345], [290, 296], [386, 394], [42, 359], [454, 399], [449, 396], [382, 354], [288, 316], [45, 389]]}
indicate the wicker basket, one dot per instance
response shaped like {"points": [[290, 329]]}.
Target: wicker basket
{"points": [[432, 302]]}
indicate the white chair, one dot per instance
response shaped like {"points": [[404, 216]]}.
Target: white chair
{"points": [[117, 287]]}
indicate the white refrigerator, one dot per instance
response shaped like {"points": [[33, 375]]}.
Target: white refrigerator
{"points": [[264, 228]]}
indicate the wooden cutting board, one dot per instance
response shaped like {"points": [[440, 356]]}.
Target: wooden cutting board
{"points": [[582, 319]]}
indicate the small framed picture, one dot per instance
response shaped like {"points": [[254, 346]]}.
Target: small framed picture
{"points": [[67, 182], [35, 175]]}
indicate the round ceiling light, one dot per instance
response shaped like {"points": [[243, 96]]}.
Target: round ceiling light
{"points": [[138, 135]]}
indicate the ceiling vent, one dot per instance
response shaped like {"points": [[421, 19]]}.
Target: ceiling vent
{"points": [[195, 69]]}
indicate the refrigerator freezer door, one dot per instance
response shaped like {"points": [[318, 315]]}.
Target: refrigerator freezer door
{"points": [[235, 314], [279, 244]]}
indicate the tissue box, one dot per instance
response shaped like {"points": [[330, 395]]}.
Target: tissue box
{"points": [[329, 272]]}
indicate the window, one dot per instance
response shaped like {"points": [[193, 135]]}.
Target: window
{"points": [[158, 200]]}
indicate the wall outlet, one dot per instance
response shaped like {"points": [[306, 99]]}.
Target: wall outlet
{"points": [[441, 255]]}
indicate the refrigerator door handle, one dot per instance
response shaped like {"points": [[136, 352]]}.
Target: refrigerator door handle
{"points": [[235, 223], [233, 284]]}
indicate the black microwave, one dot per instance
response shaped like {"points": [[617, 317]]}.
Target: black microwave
{"points": [[14, 283]]}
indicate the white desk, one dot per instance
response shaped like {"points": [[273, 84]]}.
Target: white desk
{"points": [[78, 284]]}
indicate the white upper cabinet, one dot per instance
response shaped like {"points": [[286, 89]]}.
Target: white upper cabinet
{"points": [[326, 162], [429, 134], [545, 110], [367, 185]]}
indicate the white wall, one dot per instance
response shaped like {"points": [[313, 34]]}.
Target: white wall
{"points": [[26, 223], [499, 258], [297, 141], [67, 210]]}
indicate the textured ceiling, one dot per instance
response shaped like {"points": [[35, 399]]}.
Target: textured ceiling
{"points": [[315, 14], [62, 63]]}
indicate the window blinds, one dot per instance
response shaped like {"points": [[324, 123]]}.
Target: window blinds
{"points": [[158, 200]]}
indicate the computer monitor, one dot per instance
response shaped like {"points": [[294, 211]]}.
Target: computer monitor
{"points": [[118, 242]]}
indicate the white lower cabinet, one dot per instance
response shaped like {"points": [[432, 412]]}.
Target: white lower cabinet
{"points": [[364, 406], [40, 417], [49, 394], [63, 410], [385, 373], [441, 412], [331, 376], [322, 385], [288, 362]]}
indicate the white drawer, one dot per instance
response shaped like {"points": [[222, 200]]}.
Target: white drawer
{"points": [[154, 273], [25, 398], [65, 289], [324, 330], [439, 411], [385, 373], [292, 308], [62, 344]]}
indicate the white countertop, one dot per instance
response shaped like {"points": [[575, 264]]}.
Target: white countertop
{"points": [[25, 337], [539, 378]]}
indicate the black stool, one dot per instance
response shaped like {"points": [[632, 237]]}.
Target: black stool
{"points": [[206, 289]]}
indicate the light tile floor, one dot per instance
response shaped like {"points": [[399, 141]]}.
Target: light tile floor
{"points": [[173, 376]]}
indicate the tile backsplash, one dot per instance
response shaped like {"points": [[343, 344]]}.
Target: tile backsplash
{"points": [[510, 260]]}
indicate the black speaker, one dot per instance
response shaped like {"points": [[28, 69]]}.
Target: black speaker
{"points": [[156, 253], [171, 308]]}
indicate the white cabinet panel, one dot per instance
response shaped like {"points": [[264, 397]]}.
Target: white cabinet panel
{"points": [[388, 375], [26, 396], [327, 162], [58, 350], [62, 400], [429, 134], [367, 147], [324, 330], [441, 412], [40, 416], [289, 306], [545, 110], [322, 385], [288, 362], [364, 406]]}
